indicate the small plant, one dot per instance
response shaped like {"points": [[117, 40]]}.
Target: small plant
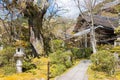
{"points": [[21, 43], [117, 30], [116, 50]]}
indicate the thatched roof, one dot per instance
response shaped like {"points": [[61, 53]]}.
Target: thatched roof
{"points": [[104, 21], [111, 4]]}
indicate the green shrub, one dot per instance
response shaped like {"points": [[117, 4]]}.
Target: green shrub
{"points": [[88, 52], [60, 56], [9, 69], [117, 8], [57, 45], [103, 61], [6, 55], [81, 53], [68, 64], [7, 60], [117, 30], [28, 65], [59, 62], [56, 70], [3, 60], [56, 57], [116, 49], [104, 47], [77, 53]]}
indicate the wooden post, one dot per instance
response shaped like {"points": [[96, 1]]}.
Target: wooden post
{"points": [[86, 41], [119, 24], [48, 72]]}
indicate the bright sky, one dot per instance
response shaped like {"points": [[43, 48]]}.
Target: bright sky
{"points": [[70, 5]]}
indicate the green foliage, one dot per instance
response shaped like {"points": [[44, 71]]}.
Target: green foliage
{"points": [[57, 69], [117, 30], [7, 60], [56, 57], [103, 61], [6, 55], [104, 47], [68, 64], [77, 53], [81, 53], [59, 57], [57, 45], [9, 69], [88, 52], [116, 50], [59, 62], [117, 8], [28, 65]]}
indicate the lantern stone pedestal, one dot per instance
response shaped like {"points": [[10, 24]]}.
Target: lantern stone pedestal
{"points": [[19, 55]]}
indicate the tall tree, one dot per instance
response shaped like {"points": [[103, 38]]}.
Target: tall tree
{"points": [[34, 11]]}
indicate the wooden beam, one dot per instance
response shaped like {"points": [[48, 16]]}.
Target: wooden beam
{"points": [[86, 31]]}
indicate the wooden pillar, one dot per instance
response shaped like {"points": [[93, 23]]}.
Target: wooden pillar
{"points": [[86, 41], [119, 19], [48, 71]]}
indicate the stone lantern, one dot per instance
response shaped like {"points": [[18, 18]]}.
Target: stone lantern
{"points": [[19, 55]]}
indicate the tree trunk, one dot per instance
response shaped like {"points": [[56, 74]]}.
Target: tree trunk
{"points": [[86, 41], [35, 17], [93, 41], [39, 42]]}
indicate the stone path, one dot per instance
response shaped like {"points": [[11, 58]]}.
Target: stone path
{"points": [[76, 73]]}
